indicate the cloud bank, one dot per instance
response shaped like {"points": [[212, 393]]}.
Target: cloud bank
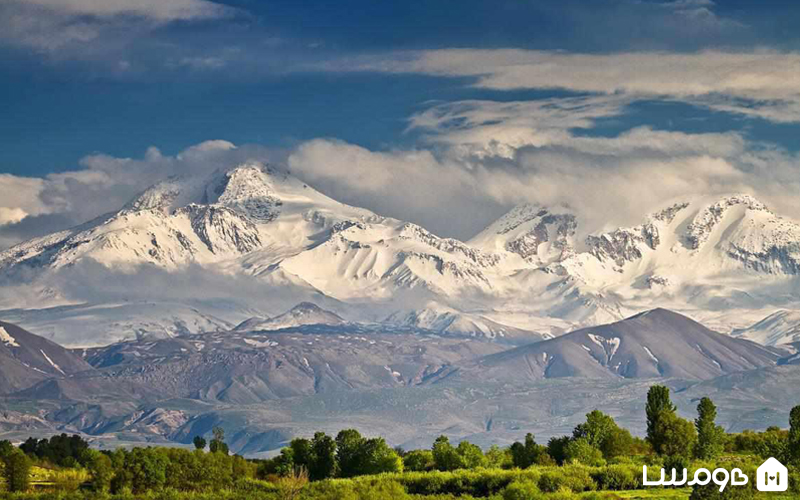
{"points": [[761, 84]]}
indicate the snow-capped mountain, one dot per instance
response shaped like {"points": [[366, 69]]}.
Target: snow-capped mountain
{"points": [[253, 240], [778, 329], [305, 313], [451, 322], [535, 234]]}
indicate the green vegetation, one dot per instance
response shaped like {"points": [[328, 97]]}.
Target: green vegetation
{"points": [[710, 436], [600, 460]]}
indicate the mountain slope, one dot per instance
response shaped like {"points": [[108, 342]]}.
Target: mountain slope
{"points": [[657, 343], [536, 234], [777, 329], [26, 359], [252, 367]]}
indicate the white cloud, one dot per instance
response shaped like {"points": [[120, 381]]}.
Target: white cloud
{"points": [[411, 185], [11, 215], [19, 195], [759, 83], [490, 156], [499, 128], [75, 26], [471, 175], [155, 10]]}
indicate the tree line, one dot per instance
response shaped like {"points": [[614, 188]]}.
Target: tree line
{"points": [[597, 441]]}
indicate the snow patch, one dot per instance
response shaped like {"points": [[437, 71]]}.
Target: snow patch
{"points": [[7, 339], [394, 373], [650, 353], [260, 344], [615, 343], [704, 353], [51, 362]]}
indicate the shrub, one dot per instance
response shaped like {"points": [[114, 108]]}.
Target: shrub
{"points": [[616, 478], [562, 494], [574, 478], [380, 488], [248, 485], [522, 490]]}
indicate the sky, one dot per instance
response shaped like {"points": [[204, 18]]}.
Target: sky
{"points": [[446, 113]]}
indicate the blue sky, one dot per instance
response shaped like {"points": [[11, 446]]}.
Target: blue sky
{"points": [[84, 88]]}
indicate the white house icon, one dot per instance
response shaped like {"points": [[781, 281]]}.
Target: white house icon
{"points": [[772, 476]]}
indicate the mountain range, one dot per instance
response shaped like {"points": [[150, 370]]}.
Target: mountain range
{"points": [[250, 300], [266, 386], [193, 255]]}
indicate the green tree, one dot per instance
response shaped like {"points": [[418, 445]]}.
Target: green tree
{"points": [[445, 457], [349, 443], [218, 445], [101, 469], [199, 443], [323, 457], [500, 458], [284, 463], [596, 429], [581, 451], [378, 457], [6, 448], [527, 454], [16, 469], [658, 404], [301, 452], [710, 436], [471, 454], [794, 434], [602, 432], [147, 469], [556, 448], [677, 436], [618, 443], [418, 461]]}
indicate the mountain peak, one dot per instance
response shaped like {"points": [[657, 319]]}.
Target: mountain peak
{"points": [[304, 313], [537, 234]]}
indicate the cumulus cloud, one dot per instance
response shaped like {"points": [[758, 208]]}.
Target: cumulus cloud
{"points": [[488, 156], [11, 215], [761, 83], [413, 185]]}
